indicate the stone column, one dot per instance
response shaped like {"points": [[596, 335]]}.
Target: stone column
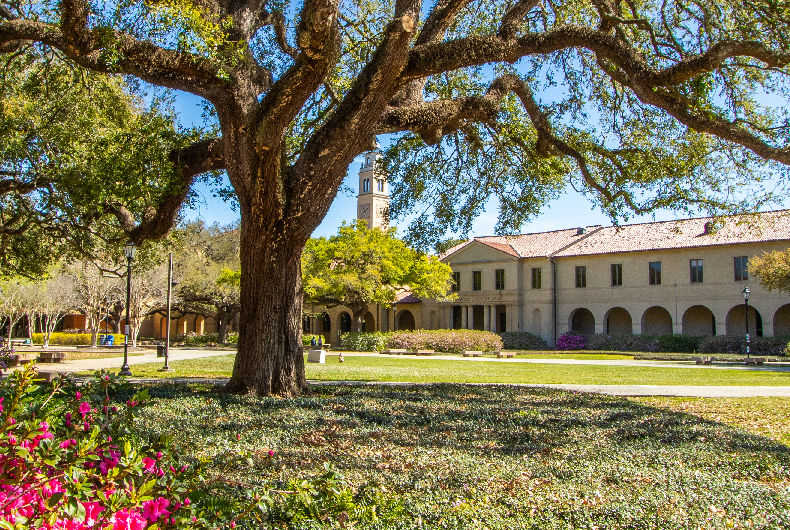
{"points": [[448, 318], [487, 318], [464, 317]]}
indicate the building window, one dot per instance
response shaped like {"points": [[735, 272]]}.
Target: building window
{"points": [[366, 185], [305, 324], [617, 274], [581, 276], [456, 282], [537, 278], [379, 185], [500, 279], [477, 280], [741, 268], [655, 273], [695, 267]]}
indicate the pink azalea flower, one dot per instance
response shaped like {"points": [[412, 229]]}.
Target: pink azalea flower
{"points": [[154, 509], [77, 394], [149, 464], [85, 408], [92, 510]]}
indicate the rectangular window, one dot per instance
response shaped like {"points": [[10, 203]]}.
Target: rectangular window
{"points": [[456, 282], [500, 279], [477, 280], [581, 276], [537, 279], [741, 268], [695, 267], [655, 273], [617, 274]]}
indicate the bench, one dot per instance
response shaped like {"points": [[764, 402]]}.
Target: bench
{"points": [[759, 361], [472, 353], [22, 358], [704, 360], [422, 352], [44, 378], [394, 352], [505, 354], [21, 342], [52, 356], [316, 356]]}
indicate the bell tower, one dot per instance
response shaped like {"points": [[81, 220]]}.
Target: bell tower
{"points": [[373, 199]]}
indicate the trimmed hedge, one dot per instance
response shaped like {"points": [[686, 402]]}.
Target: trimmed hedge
{"points": [[624, 343], [733, 344], [197, 339], [522, 340], [71, 339], [446, 341]]}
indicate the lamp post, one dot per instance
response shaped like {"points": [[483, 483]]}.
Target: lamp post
{"points": [[170, 285], [128, 250], [746, 292]]}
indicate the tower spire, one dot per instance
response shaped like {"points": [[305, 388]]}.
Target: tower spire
{"points": [[373, 199]]}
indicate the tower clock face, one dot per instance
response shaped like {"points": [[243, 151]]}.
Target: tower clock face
{"points": [[380, 211], [364, 211]]}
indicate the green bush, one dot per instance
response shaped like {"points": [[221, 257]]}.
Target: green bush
{"points": [[197, 339], [306, 339], [71, 339], [679, 343], [737, 344], [522, 340], [375, 341], [605, 342]]}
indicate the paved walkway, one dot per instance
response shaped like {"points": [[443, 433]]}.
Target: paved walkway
{"points": [[179, 354]]}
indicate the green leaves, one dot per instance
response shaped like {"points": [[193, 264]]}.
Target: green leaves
{"points": [[360, 266]]}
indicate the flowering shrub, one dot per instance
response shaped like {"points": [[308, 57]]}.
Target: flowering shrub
{"points": [[522, 340], [571, 341], [69, 461], [642, 343], [451, 341]]}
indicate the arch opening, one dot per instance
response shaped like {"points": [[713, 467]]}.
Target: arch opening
{"points": [[656, 320], [618, 322], [582, 322], [699, 321]]}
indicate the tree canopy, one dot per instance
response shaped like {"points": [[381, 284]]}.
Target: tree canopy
{"points": [[641, 105], [361, 266], [772, 270], [80, 160]]}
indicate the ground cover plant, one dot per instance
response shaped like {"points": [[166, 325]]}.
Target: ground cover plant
{"points": [[765, 416], [459, 456], [71, 339], [430, 370]]}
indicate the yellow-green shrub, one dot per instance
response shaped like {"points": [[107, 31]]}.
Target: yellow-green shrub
{"points": [[71, 339]]}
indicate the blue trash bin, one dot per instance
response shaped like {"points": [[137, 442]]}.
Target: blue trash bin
{"points": [[109, 340]]}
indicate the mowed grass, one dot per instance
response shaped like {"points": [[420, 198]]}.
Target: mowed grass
{"points": [[475, 457], [427, 370]]}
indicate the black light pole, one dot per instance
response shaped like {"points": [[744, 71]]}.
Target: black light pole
{"points": [[170, 285], [746, 309], [128, 250]]}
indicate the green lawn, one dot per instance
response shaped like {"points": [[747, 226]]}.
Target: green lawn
{"points": [[428, 370], [472, 457]]}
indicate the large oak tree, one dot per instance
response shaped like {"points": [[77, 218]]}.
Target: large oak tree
{"points": [[642, 104]]}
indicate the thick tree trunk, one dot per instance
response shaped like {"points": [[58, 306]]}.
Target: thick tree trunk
{"points": [[270, 359], [223, 322]]}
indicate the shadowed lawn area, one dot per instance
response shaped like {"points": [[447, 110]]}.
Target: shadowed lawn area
{"points": [[766, 416], [501, 457], [427, 370]]}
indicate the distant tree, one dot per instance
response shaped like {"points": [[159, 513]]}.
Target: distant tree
{"points": [[93, 290], [361, 266], [204, 265], [12, 303], [772, 270], [54, 298]]}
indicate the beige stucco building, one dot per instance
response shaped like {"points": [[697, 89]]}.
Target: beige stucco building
{"points": [[675, 277]]}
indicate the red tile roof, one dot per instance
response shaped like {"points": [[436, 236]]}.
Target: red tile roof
{"points": [[687, 233], [407, 298], [684, 233]]}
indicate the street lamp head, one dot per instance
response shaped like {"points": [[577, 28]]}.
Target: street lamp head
{"points": [[173, 283], [128, 249], [746, 292]]}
